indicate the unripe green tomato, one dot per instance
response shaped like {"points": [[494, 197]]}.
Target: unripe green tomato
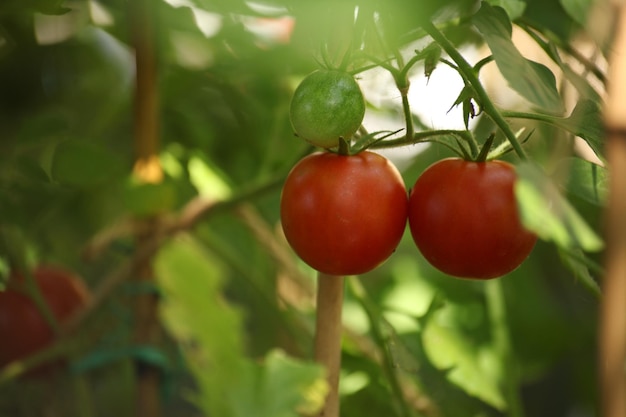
{"points": [[327, 105]]}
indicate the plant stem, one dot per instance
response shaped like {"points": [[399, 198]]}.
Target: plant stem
{"points": [[468, 73], [380, 340], [328, 330], [502, 343]]}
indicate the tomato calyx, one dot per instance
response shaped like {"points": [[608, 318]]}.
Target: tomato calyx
{"points": [[348, 147], [484, 151]]}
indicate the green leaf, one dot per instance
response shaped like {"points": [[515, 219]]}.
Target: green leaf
{"points": [[207, 327], [470, 366], [210, 331], [577, 9], [584, 179], [147, 199], [546, 212], [83, 164], [586, 122], [578, 263], [533, 81], [280, 387], [514, 8]]}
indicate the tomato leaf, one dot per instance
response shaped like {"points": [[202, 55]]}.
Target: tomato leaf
{"points": [[578, 263], [514, 8], [577, 9], [546, 212], [210, 331], [195, 313], [584, 179], [470, 365], [409, 356], [533, 81], [280, 387], [586, 122]]}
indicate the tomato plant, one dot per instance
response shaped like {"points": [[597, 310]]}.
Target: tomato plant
{"points": [[463, 217], [344, 215], [327, 105], [22, 327]]}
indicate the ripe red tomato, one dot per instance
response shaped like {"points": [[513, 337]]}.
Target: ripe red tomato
{"points": [[23, 330], [344, 215], [327, 104], [463, 218]]}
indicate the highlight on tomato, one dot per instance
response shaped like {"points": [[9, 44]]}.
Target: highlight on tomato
{"points": [[344, 215], [464, 219]]}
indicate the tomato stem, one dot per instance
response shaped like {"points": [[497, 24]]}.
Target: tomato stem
{"points": [[469, 74], [344, 147], [328, 330]]}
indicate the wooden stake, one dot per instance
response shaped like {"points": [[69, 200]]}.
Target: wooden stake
{"points": [[612, 342], [147, 169], [328, 329]]}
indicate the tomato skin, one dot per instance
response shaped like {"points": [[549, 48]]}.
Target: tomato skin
{"points": [[344, 215], [327, 105], [464, 219], [23, 330]]}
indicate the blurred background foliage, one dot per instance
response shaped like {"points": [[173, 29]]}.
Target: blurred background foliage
{"points": [[418, 343]]}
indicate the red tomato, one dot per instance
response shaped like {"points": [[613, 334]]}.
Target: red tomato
{"points": [[23, 330], [463, 218], [344, 215]]}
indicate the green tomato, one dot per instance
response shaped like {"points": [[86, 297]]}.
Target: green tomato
{"points": [[327, 105]]}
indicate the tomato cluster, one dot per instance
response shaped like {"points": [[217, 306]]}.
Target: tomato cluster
{"points": [[23, 330], [345, 214]]}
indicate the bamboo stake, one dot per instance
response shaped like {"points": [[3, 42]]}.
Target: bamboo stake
{"points": [[328, 329], [147, 169], [612, 337]]}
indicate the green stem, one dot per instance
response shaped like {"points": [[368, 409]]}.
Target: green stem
{"points": [[381, 341], [530, 116], [419, 137], [406, 108], [468, 73], [508, 377]]}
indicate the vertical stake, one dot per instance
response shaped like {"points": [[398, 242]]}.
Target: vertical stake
{"points": [[328, 329]]}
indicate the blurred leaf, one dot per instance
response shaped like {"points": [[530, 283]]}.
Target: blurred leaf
{"points": [[546, 212], [586, 122], [210, 333], [409, 355], [280, 387], [195, 313], [469, 365], [533, 81], [514, 8], [146, 199], [81, 163], [584, 179], [208, 179], [577, 9], [577, 262]]}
